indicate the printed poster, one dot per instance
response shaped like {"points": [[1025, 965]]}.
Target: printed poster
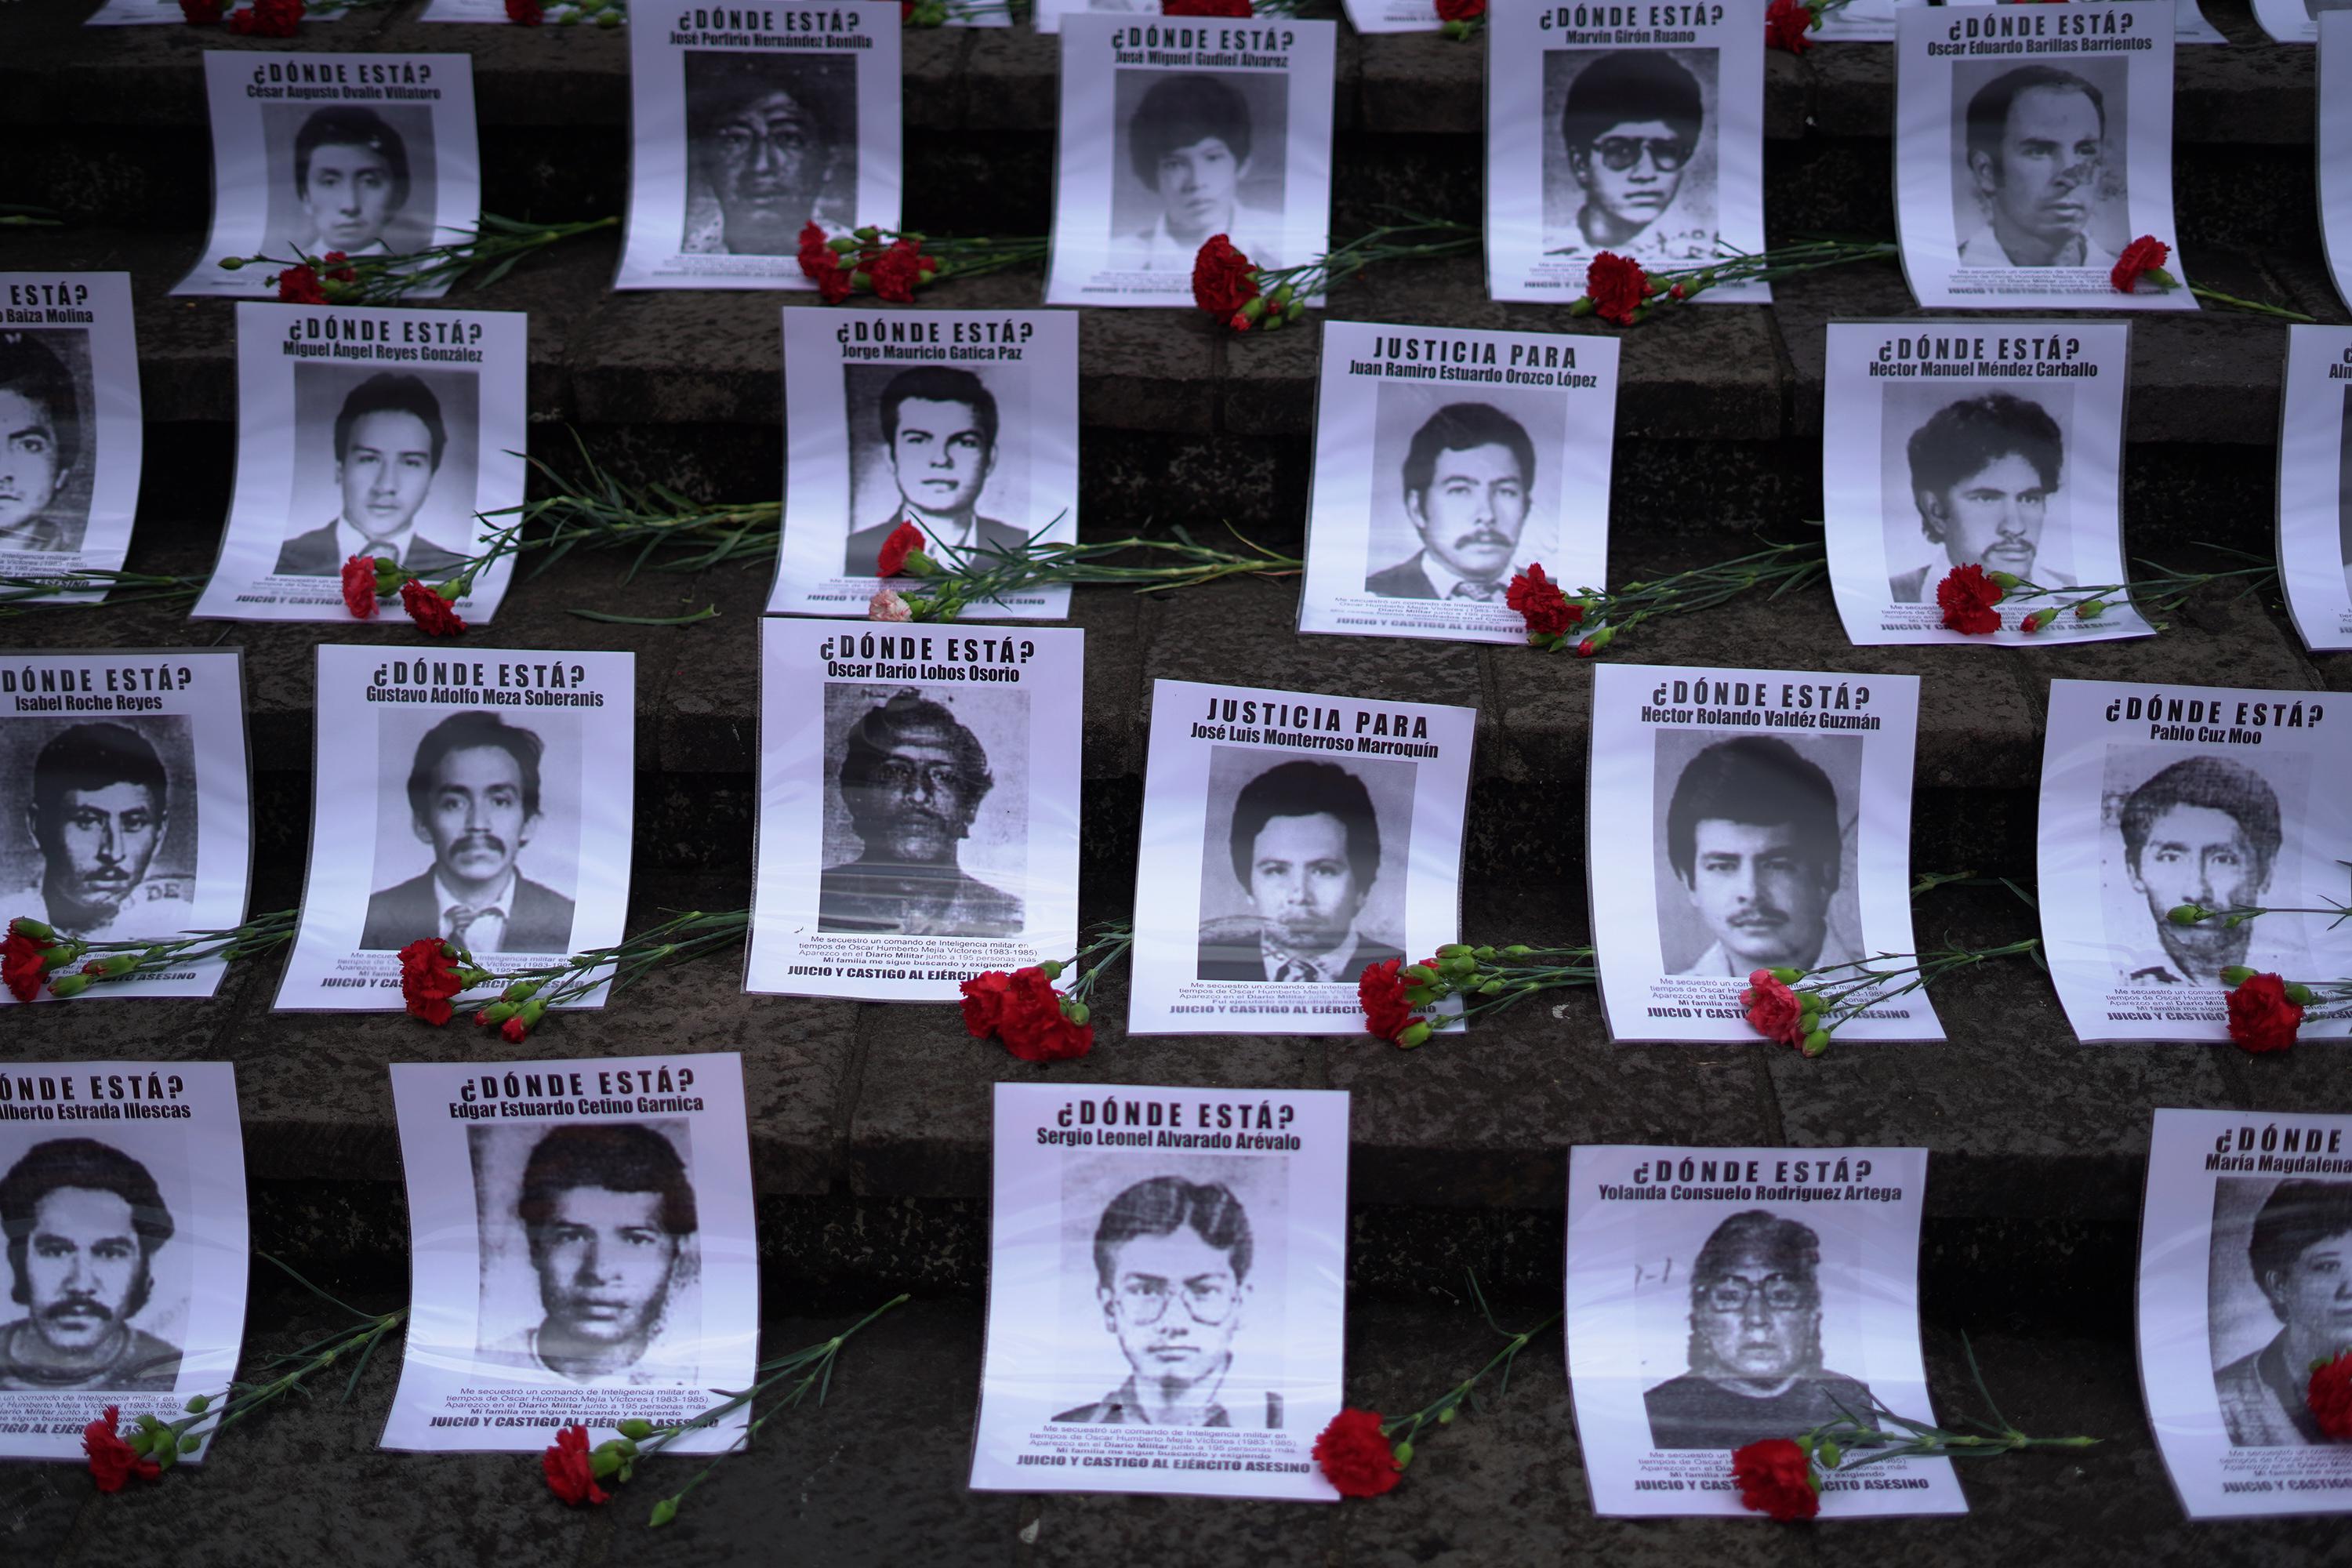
{"points": [[2334, 146], [582, 1251], [965, 422], [2019, 181], [122, 1192], [69, 428], [2247, 1232], [1761, 819], [367, 154], [2294, 21], [492, 793], [387, 433], [1290, 842], [919, 806], [1646, 141], [2157, 796], [2315, 486], [1970, 443], [125, 814], [1446, 461], [1174, 131], [1721, 1297], [1166, 1280], [747, 125]]}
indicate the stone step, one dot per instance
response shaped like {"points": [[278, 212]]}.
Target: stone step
{"points": [[877, 1474]]}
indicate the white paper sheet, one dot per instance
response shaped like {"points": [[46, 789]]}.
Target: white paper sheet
{"points": [[580, 1250], [918, 805], [2158, 795], [1108, 1202], [964, 422], [2293, 21], [1997, 444], [1667, 1380], [126, 770], [2242, 1244], [69, 382], [1393, 16], [1678, 103], [1051, 14], [523, 771], [1289, 842], [2315, 485], [366, 155], [2334, 146], [1445, 460], [2085, 95], [369, 432], [741, 136], [1172, 131], [1742, 819]]}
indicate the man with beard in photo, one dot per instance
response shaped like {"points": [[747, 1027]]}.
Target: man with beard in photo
{"points": [[1171, 1276], [473, 799], [2203, 831], [761, 142], [1982, 472], [607, 1212], [1468, 473], [100, 804], [912, 779], [83, 1220], [1755, 1344]]}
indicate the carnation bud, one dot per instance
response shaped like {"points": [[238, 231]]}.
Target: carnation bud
{"points": [[664, 1512], [2004, 581], [1419, 996], [919, 565], [1077, 1012], [1417, 975], [496, 1013], [1416, 1033], [1252, 308], [1492, 988], [1051, 968], [1283, 296], [2299, 994], [1816, 1043], [24, 925], [605, 1459], [842, 247], [191, 1443], [198, 1404], [636, 1428], [1598, 640], [1403, 1452], [1518, 949], [1294, 311], [1272, 324], [1456, 950], [1828, 1453], [2187, 914], [1788, 976], [522, 991], [2090, 609], [868, 233], [70, 985], [165, 1454], [2236, 975]]}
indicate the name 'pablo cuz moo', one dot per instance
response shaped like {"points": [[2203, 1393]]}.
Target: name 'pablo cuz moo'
{"points": [[2217, 720]]}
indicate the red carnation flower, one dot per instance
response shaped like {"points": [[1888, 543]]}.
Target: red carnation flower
{"points": [[1775, 1477], [24, 961], [2263, 1016], [983, 1002], [1773, 1010], [1034, 1027], [1355, 1456], [359, 587], [428, 979], [1387, 1014], [2142, 256], [1223, 280], [2330, 1395], [1460, 10], [1540, 603], [514, 1031], [1617, 287], [1967, 597], [1786, 23], [904, 540], [1204, 7], [268, 19], [571, 1470], [429, 610], [203, 11], [528, 13], [896, 272], [113, 1461], [299, 286]]}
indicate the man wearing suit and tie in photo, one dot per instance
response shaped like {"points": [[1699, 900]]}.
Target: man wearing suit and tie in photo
{"points": [[389, 439], [1467, 477], [1305, 843], [474, 797], [940, 426]]}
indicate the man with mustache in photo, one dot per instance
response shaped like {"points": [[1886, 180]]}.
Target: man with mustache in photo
{"points": [[2300, 1253], [1305, 843], [607, 1212], [83, 1220], [762, 139], [351, 174], [474, 800], [100, 804], [1630, 127], [1752, 834], [1982, 472], [2036, 137], [912, 779], [2203, 831], [1189, 144], [1468, 475], [938, 425]]}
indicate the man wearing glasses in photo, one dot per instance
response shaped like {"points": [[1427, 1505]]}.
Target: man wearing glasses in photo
{"points": [[1755, 1342], [1630, 127], [1171, 1272]]}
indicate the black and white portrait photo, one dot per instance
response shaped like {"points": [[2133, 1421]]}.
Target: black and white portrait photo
{"points": [[48, 454], [476, 793], [2204, 830], [1465, 487], [1758, 852], [911, 780], [771, 146], [1198, 154], [1979, 483], [358, 178], [607, 1264], [101, 823], [1629, 155], [926, 441], [390, 454], [85, 1221], [2281, 1299], [2041, 154], [1302, 875], [1180, 1285], [1755, 1363]]}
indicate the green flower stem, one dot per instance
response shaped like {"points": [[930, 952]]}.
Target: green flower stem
{"points": [[1105, 945], [1608, 612], [987, 573], [1748, 266], [1831, 1445], [1415, 238], [2161, 594], [675, 939], [495, 243], [2256, 306], [128, 959], [1442, 1410], [1843, 990], [21, 596]]}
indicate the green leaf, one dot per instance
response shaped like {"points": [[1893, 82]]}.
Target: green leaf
{"points": [[708, 613]]}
